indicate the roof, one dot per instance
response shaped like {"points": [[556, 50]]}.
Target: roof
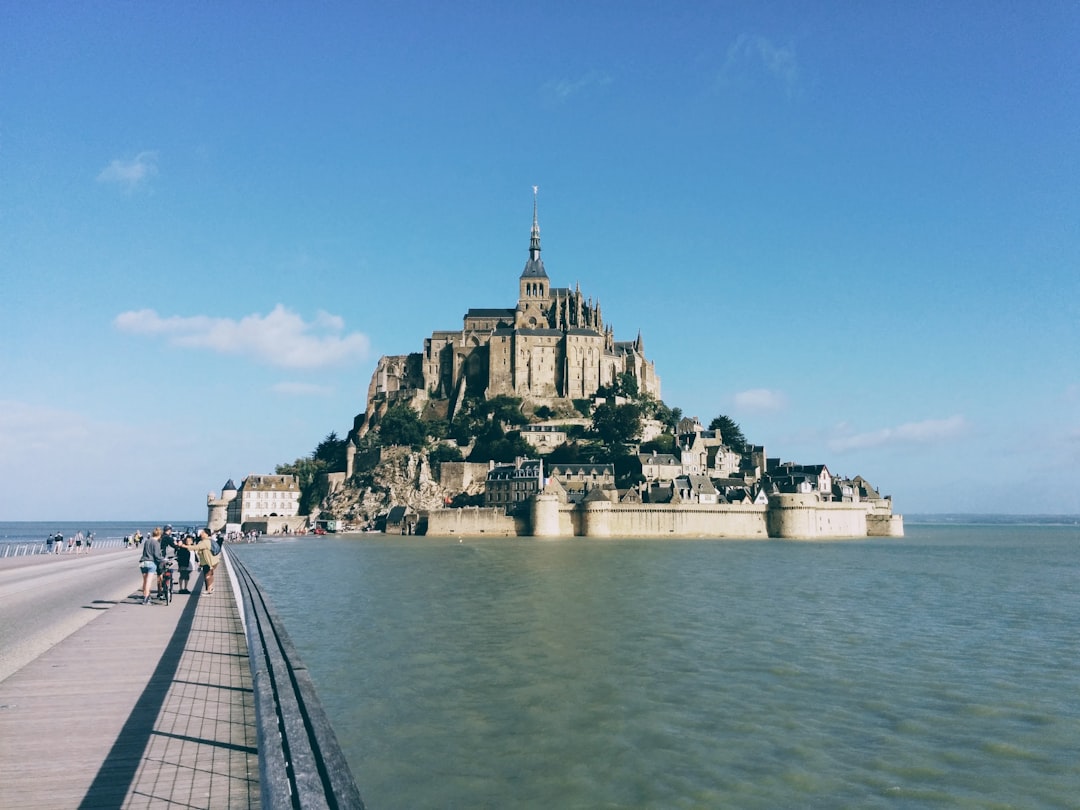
{"points": [[663, 459], [581, 469], [534, 268], [490, 313]]}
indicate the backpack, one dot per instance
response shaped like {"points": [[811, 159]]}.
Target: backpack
{"points": [[215, 547]]}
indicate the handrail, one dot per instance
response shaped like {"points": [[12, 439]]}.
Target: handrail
{"points": [[300, 761], [44, 547]]}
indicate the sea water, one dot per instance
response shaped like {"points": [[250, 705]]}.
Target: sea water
{"points": [[937, 670], [38, 532]]}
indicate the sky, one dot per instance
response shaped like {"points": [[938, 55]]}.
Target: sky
{"points": [[852, 227]]}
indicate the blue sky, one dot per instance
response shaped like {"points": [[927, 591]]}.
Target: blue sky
{"points": [[853, 227]]}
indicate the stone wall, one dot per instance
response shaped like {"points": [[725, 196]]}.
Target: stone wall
{"points": [[792, 517], [720, 521], [472, 521], [459, 476], [804, 517]]}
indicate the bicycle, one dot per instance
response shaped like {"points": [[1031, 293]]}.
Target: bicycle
{"points": [[166, 581]]}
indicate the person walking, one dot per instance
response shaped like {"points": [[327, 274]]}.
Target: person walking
{"points": [[152, 557], [208, 561]]}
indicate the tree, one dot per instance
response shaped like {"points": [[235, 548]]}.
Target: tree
{"points": [[505, 409], [312, 488], [493, 444], [730, 432], [331, 451], [664, 443], [400, 425], [617, 424]]}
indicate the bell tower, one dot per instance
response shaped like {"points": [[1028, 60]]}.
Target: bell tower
{"points": [[533, 285]]}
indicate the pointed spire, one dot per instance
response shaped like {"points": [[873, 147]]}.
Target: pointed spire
{"points": [[534, 267], [534, 242]]}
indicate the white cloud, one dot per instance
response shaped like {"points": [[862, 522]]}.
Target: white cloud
{"points": [[750, 53], [925, 432], [282, 338], [130, 174], [562, 89], [301, 389], [760, 399]]}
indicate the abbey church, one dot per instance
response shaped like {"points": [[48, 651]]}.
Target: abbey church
{"points": [[553, 346]]}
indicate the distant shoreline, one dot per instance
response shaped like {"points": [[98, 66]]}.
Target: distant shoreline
{"points": [[975, 519]]}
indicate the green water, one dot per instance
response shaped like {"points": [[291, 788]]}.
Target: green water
{"points": [[935, 671]]}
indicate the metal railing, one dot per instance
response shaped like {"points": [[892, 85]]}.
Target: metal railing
{"points": [[44, 547], [300, 761]]}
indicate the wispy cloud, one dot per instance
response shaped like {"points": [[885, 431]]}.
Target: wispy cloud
{"points": [[751, 53], [561, 89], [302, 389], [759, 400], [281, 338], [130, 174], [925, 432]]}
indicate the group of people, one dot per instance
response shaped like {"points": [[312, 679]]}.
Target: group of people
{"points": [[74, 543], [161, 548]]}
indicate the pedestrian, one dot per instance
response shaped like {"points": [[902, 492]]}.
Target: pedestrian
{"points": [[208, 561], [149, 562], [183, 560]]}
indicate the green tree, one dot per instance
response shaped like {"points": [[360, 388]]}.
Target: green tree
{"points": [[730, 432], [401, 426], [331, 451], [505, 409], [617, 425], [664, 443], [494, 444]]}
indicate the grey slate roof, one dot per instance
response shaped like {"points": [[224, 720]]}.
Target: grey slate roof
{"points": [[490, 313], [534, 268]]}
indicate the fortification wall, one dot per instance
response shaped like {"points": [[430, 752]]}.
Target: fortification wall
{"points": [[804, 517], [792, 517], [472, 521], [721, 521], [879, 525]]}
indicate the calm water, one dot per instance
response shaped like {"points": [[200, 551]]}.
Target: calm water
{"points": [[935, 671], [37, 531]]}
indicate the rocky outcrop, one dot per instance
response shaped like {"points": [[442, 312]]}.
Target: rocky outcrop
{"points": [[403, 477]]}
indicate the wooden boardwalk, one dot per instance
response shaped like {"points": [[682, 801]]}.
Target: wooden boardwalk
{"points": [[146, 706]]}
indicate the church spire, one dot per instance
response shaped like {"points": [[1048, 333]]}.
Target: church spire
{"points": [[534, 267], [534, 242]]}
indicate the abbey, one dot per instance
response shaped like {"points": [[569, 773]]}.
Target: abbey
{"points": [[553, 346]]}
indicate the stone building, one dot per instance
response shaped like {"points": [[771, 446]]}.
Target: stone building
{"points": [[552, 346], [262, 502]]}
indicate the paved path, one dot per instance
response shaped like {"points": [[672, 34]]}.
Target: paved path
{"points": [[145, 706]]}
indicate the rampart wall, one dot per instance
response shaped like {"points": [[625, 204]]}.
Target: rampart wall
{"points": [[791, 517], [473, 521], [721, 521]]}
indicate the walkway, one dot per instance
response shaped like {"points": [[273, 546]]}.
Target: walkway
{"points": [[146, 706]]}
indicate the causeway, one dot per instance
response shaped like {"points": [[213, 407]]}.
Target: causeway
{"points": [[144, 706]]}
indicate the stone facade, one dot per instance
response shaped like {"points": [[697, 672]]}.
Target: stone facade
{"points": [[258, 499], [552, 346]]}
